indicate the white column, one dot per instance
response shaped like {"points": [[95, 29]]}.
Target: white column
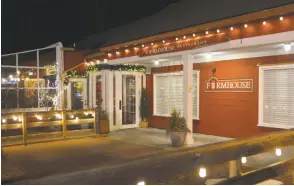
{"points": [[188, 88], [144, 80], [109, 97]]}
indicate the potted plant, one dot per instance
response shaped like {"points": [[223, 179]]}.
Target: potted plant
{"points": [[177, 128], [103, 121], [144, 109]]}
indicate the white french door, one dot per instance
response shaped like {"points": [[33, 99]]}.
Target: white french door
{"points": [[127, 99], [97, 84], [77, 94]]}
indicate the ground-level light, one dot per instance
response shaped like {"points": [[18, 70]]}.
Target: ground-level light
{"points": [[278, 152], [243, 160], [202, 172], [141, 183]]}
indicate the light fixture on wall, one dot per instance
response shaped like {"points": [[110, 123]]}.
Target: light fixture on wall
{"points": [[287, 47], [156, 62]]}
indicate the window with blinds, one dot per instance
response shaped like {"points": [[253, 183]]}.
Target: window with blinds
{"points": [[278, 97], [169, 93]]}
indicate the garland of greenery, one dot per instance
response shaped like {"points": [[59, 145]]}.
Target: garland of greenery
{"points": [[99, 67]]}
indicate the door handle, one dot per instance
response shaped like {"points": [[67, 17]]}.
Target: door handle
{"points": [[119, 104]]}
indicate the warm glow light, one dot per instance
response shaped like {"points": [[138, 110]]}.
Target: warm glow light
{"points": [[135, 48], [142, 45], [117, 53], [18, 79], [194, 35], [39, 117], [177, 38], [206, 32], [264, 23], [92, 63], [58, 116], [217, 31], [156, 62], [77, 118], [281, 18], [109, 54], [14, 118], [18, 72], [19, 119], [4, 80], [86, 113], [97, 61], [11, 76], [245, 25], [72, 116], [184, 37], [141, 183], [202, 172], [126, 50], [27, 78], [278, 152], [163, 41], [3, 120], [287, 47], [232, 28], [87, 63], [243, 160]]}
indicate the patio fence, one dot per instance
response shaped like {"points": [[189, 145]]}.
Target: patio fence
{"points": [[30, 127]]}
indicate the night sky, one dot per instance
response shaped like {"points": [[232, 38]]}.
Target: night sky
{"points": [[31, 24]]}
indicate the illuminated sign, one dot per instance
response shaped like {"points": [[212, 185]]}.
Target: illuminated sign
{"points": [[228, 85]]}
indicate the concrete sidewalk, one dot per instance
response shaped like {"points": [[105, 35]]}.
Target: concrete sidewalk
{"points": [[157, 138]]}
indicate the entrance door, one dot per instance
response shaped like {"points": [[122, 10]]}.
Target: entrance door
{"points": [[77, 94], [127, 93], [97, 89]]}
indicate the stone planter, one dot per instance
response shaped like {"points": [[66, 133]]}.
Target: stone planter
{"points": [[178, 138], [104, 126], [144, 124]]}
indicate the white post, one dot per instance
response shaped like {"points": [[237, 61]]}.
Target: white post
{"points": [[144, 80], [109, 98], [60, 69], [188, 90]]}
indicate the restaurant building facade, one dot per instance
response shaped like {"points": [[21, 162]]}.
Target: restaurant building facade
{"points": [[231, 77]]}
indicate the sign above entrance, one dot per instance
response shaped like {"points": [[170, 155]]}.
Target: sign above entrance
{"points": [[186, 44], [228, 85]]}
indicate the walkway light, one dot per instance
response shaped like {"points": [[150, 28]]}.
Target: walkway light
{"points": [[202, 172], [243, 160], [141, 183], [278, 152]]}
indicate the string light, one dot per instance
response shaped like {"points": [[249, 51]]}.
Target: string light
{"points": [[3, 120], [287, 47], [142, 46], [4, 80], [264, 23], [27, 78], [152, 44], [156, 62], [245, 25], [109, 54], [72, 116], [141, 183], [39, 117], [217, 31], [177, 38], [58, 116], [14, 118], [77, 118], [232, 28], [194, 35], [97, 61], [206, 32], [117, 53], [163, 41], [126, 50], [19, 119], [86, 113], [281, 18], [184, 37], [18, 72], [11, 76]]}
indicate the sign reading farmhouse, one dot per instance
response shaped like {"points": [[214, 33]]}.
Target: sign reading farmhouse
{"points": [[173, 47], [228, 85]]}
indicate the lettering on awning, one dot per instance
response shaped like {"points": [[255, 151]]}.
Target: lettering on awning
{"points": [[228, 85]]}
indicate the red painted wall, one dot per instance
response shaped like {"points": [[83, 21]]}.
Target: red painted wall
{"points": [[223, 114]]}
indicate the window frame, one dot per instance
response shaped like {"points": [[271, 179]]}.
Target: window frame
{"points": [[197, 72], [261, 96]]}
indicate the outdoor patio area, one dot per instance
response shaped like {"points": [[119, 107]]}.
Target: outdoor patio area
{"points": [[157, 138]]}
